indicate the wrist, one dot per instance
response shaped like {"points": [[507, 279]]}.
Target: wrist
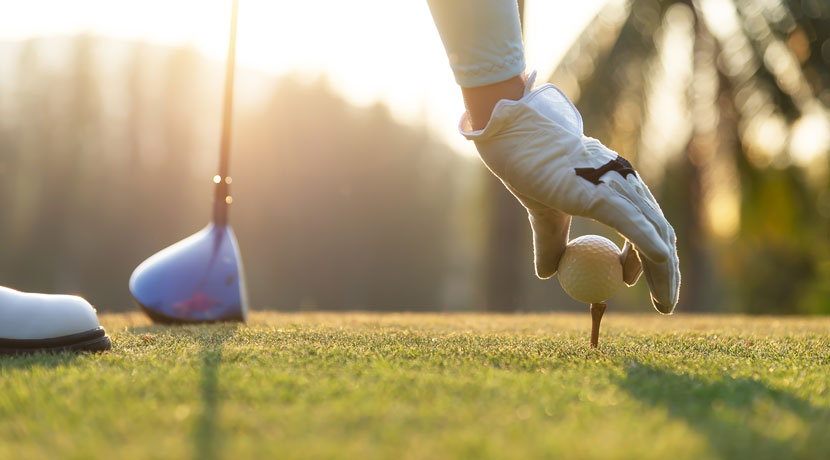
{"points": [[481, 100]]}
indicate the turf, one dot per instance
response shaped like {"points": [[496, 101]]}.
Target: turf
{"points": [[429, 386]]}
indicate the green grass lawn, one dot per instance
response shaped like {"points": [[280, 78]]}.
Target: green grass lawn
{"points": [[429, 386]]}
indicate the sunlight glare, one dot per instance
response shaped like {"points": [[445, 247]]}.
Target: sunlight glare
{"points": [[370, 50], [667, 130], [810, 139]]}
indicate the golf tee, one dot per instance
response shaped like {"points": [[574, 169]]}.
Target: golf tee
{"points": [[597, 310]]}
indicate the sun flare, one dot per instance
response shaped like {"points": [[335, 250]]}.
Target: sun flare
{"points": [[371, 50]]}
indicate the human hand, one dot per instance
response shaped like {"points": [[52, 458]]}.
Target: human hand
{"points": [[537, 148]]}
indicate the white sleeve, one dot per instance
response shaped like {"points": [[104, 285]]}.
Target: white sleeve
{"points": [[482, 38]]}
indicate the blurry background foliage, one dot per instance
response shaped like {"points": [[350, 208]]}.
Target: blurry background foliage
{"points": [[107, 150]]}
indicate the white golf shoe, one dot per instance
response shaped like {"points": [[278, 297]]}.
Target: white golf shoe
{"points": [[45, 322]]}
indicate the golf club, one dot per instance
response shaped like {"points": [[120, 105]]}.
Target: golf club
{"points": [[200, 279]]}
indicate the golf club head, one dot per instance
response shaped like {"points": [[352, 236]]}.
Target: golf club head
{"points": [[197, 280]]}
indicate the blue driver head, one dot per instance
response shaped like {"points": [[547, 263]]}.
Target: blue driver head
{"points": [[198, 279]]}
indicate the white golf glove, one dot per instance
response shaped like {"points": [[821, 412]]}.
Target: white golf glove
{"points": [[536, 147]]}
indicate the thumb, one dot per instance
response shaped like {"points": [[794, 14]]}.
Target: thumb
{"points": [[632, 267], [550, 237]]}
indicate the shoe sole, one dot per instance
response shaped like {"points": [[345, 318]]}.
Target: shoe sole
{"points": [[94, 340]]}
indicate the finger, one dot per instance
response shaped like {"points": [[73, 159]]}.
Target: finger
{"points": [[632, 267], [621, 214], [664, 284], [664, 279], [635, 191], [550, 237], [550, 233]]}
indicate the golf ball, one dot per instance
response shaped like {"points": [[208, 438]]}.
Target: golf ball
{"points": [[590, 270]]}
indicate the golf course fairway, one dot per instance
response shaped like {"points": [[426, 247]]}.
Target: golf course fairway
{"points": [[429, 386]]}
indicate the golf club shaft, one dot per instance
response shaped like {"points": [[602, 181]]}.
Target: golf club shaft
{"points": [[222, 198]]}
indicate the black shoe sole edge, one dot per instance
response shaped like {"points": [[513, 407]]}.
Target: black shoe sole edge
{"points": [[94, 340], [160, 318]]}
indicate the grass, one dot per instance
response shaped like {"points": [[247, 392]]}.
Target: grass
{"points": [[429, 386]]}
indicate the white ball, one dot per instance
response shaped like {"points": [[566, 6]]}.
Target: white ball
{"points": [[590, 270]]}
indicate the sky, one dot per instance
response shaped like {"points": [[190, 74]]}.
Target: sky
{"points": [[371, 50]]}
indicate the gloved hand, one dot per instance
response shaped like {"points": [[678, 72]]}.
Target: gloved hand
{"points": [[536, 147]]}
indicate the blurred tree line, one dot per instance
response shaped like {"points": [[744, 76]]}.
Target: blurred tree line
{"points": [[107, 150]]}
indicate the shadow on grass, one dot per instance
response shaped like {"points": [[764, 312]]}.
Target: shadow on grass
{"points": [[740, 418], [207, 437]]}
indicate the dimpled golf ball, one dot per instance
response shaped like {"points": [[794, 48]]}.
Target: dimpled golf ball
{"points": [[590, 270]]}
